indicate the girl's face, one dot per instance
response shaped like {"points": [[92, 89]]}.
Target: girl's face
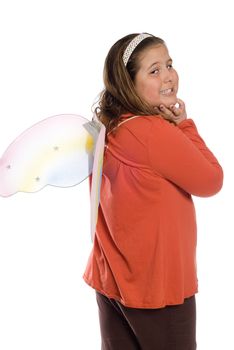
{"points": [[156, 81]]}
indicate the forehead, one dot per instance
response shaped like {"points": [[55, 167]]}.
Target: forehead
{"points": [[156, 53]]}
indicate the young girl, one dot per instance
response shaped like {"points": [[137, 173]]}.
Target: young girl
{"points": [[143, 262]]}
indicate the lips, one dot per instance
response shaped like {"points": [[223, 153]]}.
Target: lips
{"points": [[167, 92]]}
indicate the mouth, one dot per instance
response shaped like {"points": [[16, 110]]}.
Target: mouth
{"points": [[167, 92]]}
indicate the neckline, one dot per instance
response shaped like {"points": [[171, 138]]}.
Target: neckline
{"points": [[127, 117]]}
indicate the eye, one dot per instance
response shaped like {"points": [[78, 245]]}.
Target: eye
{"points": [[170, 66], [155, 71]]}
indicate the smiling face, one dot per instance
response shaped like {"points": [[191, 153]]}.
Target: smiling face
{"points": [[156, 81]]}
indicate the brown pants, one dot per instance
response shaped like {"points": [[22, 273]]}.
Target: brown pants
{"points": [[170, 328]]}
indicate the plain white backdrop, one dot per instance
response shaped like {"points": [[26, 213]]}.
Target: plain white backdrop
{"points": [[51, 61]]}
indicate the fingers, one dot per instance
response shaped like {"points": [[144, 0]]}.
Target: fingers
{"points": [[175, 110], [181, 103], [167, 111], [172, 112], [157, 110]]}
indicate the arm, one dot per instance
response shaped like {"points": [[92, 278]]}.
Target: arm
{"points": [[180, 155]]}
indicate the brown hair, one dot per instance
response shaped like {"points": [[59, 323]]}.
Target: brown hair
{"points": [[119, 95]]}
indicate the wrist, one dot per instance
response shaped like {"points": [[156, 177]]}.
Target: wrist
{"points": [[180, 120]]}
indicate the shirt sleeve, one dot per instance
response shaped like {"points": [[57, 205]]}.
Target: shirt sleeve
{"points": [[179, 154]]}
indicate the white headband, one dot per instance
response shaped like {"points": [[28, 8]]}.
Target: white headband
{"points": [[132, 45]]}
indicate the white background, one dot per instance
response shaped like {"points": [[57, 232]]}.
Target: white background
{"points": [[51, 61]]}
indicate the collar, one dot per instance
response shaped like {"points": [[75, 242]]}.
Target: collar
{"points": [[126, 115]]}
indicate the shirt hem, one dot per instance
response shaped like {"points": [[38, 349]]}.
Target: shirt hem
{"points": [[138, 305]]}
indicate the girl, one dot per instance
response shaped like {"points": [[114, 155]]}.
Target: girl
{"points": [[143, 262]]}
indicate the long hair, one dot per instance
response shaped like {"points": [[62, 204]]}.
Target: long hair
{"points": [[119, 95]]}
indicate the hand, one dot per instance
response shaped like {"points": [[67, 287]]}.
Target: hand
{"points": [[177, 114]]}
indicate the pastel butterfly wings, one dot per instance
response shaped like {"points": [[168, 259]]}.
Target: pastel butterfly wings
{"points": [[62, 151], [57, 151]]}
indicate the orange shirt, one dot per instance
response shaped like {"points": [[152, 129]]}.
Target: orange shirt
{"points": [[144, 252]]}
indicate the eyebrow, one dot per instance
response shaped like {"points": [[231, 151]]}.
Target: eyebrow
{"points": [[169, 60]]}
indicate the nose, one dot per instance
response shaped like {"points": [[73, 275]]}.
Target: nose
{"points": [[167, 75]]}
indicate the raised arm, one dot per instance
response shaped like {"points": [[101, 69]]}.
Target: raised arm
{"points": [[180, 155]]}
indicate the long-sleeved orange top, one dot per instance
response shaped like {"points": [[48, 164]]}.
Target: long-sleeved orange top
{"points": [[144, 252]]}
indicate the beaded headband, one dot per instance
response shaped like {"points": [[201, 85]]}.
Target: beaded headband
{"points": [[132, 45]]}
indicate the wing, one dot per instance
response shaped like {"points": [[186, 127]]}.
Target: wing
{"points": [[57, 151], [97, 178]]}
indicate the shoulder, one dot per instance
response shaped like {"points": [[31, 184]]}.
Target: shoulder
{"points": [[140, 121], [140, 126], [161, 128]]}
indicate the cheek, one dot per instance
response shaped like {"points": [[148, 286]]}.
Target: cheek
{"points": [[151, 91]]}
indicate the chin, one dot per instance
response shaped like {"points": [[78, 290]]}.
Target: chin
{"points": [[169, 101]]}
